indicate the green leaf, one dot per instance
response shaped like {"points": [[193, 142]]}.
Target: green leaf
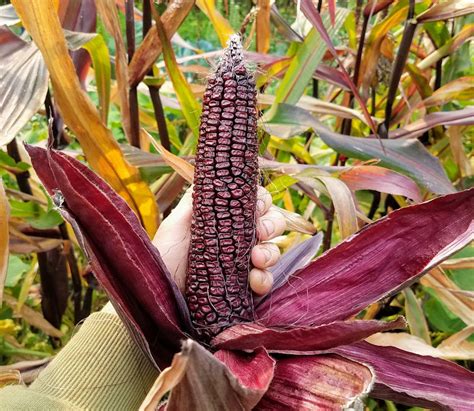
{"points": [[307, 58], [407, 156], [16, 269]]}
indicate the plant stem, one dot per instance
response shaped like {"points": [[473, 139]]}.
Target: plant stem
{"points": [[22, 178], [347, 123], [133, 96], [154, 90], [75, 275], [399, 64]]}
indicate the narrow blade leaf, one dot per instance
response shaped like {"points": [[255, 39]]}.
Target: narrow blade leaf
{"points": [[100, 147], [22, 68], [293, 340], [122, 257], [380, 260], [414, 379]]}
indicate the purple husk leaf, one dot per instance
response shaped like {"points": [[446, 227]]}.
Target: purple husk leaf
{"points": [[302, 340], [127, 264], [378, 261], [414, 379]]}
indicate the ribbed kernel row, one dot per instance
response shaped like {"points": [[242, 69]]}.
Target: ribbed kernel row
{"points": [[224, 199]]}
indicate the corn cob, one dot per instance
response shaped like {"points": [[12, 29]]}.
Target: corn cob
{"points": [[224, 199]]}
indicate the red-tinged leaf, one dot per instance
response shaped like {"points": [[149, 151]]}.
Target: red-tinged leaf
{"points": [[375, 6], [22, 68], [464, 117], [294, 259], [80, 17], [461, 89], [296, 340], [227, 381], [282, 25], [332, 10], [124, 259], [331, 75], [380, 179], [312, 14], [446, 10], [407, 155], [380, 260], [414, 379], [326, 382], [146, 55]]}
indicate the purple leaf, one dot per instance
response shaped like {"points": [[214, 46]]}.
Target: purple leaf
{"points": [[294, 259], [312, 14], [227, 381], [325, 382], [123, 258], [379, 260], [462, 117], [380, 179], [296, 340], [414, 379], [408, 156]]}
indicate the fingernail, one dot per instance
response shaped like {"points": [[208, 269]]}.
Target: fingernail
{"points": [[267, 254], [269, 227], [260, 205]]}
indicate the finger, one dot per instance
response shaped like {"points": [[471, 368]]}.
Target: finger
{"points": [[270, 225], [173, 238], [264, 201], [261, 281], [265, 255]]}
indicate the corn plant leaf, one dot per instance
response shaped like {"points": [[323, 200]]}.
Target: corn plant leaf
{"points": [[316, 382], [8, 16], [462, 117], [380, 260], [461, 89], [295, 258], [189, 105], [222, 27], [282, 25], [146, 55], [312, 14], [100, 148], [4, 238], [225, 381], [32, 317], [430, 382], [310, 53], [180, 165], [22, 68], [456, 347], [447, 292], [415, 316], [95, 45], [407, 156], [263, 26], [127, 264], [340, 195], [380, 179], [109, 15], [252, 335], [446, 10]]}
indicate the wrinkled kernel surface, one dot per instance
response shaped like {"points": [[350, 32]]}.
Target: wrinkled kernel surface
{"points": [[224, 199]]}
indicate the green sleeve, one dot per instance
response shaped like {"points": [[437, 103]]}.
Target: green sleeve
{"points": [[101, 368]]}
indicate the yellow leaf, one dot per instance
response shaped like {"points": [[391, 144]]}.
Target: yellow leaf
{"points": [[181, 166], [102, 151], [4, 213], [221, 25], [33, 317]]}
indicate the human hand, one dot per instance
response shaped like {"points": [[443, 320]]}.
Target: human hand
{"points": [[173, 238]]}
